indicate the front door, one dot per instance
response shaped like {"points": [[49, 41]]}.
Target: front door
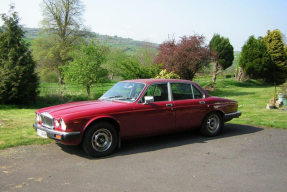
{"points": [[155, 116]]}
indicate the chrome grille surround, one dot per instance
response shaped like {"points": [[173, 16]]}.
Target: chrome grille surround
{"points": [[47, 120]]}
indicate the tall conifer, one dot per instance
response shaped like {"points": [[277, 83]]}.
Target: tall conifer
{"points": [[275, 48], [18, 80]]}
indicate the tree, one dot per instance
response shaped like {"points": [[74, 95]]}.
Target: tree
{"points": [[62, 19], [85, 69], [18, 80], [49, 55], [146, 54], [115, 58], [275, 48], [186, 57], [256, 61], [222, 54], [132, 69]]}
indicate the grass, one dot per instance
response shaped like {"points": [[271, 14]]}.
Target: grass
{"points": [[16, 122], [16, 127], [252, 98]]}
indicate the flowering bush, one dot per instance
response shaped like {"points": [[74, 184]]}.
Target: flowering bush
{"points": [[164, 75]]}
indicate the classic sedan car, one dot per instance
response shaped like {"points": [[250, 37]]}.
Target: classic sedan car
{"points": [[135, 108]]}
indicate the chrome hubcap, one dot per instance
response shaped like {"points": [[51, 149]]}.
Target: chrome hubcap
{"points": [[102, 140], [213, 123]]}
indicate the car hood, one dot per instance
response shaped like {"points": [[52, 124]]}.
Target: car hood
{"points": [[85, 108]]}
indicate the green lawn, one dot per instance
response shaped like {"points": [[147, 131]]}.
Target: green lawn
{"points": [[16, 123], [252, 99], [16, 127]]}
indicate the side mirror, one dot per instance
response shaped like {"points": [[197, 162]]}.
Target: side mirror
{"points": [[148, 99]]}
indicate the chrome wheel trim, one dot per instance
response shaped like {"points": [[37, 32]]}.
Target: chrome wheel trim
{"points": [[102, 140], [213, 123]]}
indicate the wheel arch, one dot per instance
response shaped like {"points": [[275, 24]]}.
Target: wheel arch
{"points": [[108, 119], [217, 111]]}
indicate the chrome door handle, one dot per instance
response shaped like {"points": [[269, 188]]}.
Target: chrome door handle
{"points": [[201, 102], [169, 105]]}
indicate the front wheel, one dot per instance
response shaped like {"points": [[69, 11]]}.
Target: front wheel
{"points": [[212, 124], [100, 140]]}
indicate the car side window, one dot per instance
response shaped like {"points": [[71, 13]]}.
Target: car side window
{"points": [[197, 93], [158, 91], [181, 91]]}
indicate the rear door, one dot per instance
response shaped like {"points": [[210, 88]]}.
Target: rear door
{"points": [[189, 105]]}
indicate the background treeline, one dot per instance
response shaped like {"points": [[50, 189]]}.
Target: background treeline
{"points": [[63, 50]]}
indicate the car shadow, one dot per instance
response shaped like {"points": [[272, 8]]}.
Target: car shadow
{"points": [[154, 143]]}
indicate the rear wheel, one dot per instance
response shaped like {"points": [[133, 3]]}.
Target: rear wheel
{"points": [[212, 124], [100, 140]]}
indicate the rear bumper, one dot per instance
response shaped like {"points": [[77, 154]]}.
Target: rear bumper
{"points": [[230, 116], [58, 135]]}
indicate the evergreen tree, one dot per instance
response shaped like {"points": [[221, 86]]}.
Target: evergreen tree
{"points": [[18, 80], [256, 61], [275, 48], [222, 53]]}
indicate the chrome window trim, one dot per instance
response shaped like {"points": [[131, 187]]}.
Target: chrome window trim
{"points": [[141, 101]]}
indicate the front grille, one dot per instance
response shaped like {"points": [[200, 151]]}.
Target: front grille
{"points": [[47, 120]]}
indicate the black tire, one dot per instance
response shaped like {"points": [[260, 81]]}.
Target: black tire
{"points": [[212, 124], [100, 140]]}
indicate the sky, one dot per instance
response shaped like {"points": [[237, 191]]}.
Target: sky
{"points": [[160, 20]]}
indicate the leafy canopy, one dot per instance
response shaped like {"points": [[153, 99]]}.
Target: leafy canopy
{"points": [[186, 57], [86, 67], [62, 21]]}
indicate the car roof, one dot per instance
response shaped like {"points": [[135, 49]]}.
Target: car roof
{"points": [[150, 81]]}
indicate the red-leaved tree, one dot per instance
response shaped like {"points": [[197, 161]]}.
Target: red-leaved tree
{"points": [[186, 57]]}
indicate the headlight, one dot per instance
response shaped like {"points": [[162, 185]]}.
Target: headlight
{"points": [[63, 125], [56, 123], [38, 118]]}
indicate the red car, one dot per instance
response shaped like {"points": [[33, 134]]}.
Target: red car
{"points": [[135, 108]]}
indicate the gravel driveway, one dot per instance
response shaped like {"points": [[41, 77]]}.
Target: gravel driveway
{"points": [[242, 158]]}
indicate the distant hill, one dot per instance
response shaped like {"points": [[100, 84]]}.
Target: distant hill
{"points": [[128, 44]]}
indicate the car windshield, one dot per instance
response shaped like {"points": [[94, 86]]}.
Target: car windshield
{"points": [[124, 91]]}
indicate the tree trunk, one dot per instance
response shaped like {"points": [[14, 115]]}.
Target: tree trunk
{"points": [[61, 79], [88, 90], [215, 66], [60, 82], [240, 74]]}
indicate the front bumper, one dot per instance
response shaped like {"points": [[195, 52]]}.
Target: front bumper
{"points": [[58, 135], [230, 116]]}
